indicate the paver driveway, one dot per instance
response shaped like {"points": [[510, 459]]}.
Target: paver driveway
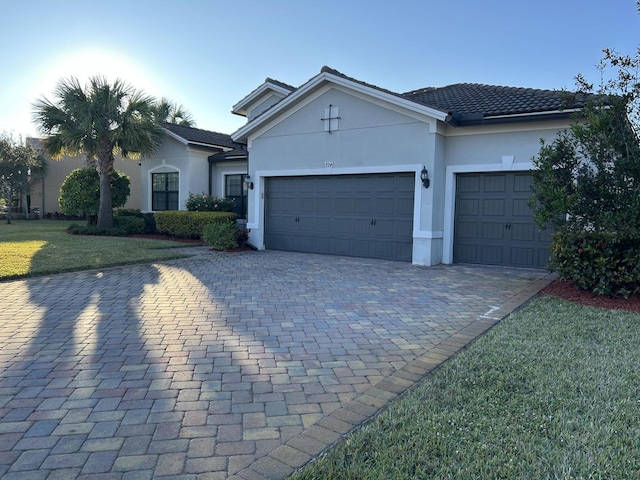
{"points": [[223, 365]]}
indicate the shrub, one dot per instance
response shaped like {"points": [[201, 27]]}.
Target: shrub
{"points": [[76, 229], [148, 219], [208, 203], [602, 263], [80, 192], [149, 222], [242, 237], [131, 225], [129, 212], [188, 224], [220, 235]]}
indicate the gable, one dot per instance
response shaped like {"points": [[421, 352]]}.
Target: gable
{"points": [[262, 98], [325, 82], [350, 112]]}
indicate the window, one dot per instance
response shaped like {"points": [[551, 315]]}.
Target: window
{"points": [[165, 188], [234, 187]]}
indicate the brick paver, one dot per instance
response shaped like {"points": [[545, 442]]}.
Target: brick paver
{"points": [[220, 365]]}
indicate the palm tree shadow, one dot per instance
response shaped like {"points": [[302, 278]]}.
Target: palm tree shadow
{"points": [[87, 322]]}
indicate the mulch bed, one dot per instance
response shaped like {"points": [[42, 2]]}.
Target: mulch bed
{"points": [[567, 291]]}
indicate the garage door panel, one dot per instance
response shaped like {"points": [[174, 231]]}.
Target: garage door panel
{"points": [[493, 231], [468, 184], [522, 257], [468, 207], [493, 207], [358, 215], [502, 231], [522, 183], [495, 183], [467, 230], [491, 254], [524, 232]]}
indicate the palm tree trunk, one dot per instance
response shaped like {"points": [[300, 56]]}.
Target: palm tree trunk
{"points": [[105, 169]]}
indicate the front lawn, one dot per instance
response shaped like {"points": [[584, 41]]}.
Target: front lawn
{"points": [[552, 392], [39, 247]]}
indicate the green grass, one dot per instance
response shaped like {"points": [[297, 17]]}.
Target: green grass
{"points": [[30, 248], [552, 392]]}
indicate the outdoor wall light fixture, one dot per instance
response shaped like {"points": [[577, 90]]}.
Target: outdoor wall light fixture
{"points": [[248, 182], [424, 176]]}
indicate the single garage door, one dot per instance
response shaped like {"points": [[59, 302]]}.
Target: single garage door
{"points": [[494, 224], [356, 215]]}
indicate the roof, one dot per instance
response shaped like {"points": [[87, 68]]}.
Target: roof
{"points": [[286, 86], [463, 103], [469, 102], [331, 76], [197, 136], [238, 153], [270, 85]]}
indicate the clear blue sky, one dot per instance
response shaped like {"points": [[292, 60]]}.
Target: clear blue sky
{"points": [[208, 54]]}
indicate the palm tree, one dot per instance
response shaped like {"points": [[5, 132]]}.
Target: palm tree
{"points": [[100, 121], [168, 111]]}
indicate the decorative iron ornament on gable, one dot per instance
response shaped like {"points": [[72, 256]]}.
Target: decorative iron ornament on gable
{"points": [[331, 118]]}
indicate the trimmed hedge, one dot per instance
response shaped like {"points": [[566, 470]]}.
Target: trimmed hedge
{"points": [[148, 219], [220, 235], [131, 225], [602, 263], [184, 224]]}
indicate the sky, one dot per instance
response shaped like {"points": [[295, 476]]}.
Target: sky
{"points": [[209, 54]]}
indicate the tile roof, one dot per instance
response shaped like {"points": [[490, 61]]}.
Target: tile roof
{"points": [[472, 101], [238, 153], [197, 135], [332, 71], [280, 84]]}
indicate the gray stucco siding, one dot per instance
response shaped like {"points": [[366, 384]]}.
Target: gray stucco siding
{"points": [[489, 147]]}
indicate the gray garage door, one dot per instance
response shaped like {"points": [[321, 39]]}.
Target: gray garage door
{"points": [[494, 224], [356, 215]]}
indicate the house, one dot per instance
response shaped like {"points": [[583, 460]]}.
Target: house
{"points": [[340, 166], [192, 160]]}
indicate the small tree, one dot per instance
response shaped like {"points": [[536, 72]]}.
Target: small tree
{"points": [[100, 120], [587, 185], [80, 193], [19, 162]]}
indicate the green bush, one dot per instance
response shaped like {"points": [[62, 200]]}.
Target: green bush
{"points": [[128, 212], [208, 203], [185, 224], [149, 222], [602, 263], [148, 219], [76, 229], [131, 225], [80, 192], [242, 237], [220, 235]]}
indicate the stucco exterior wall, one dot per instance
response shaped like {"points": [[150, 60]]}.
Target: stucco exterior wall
{"points": [[174, 156], [45, 193]]}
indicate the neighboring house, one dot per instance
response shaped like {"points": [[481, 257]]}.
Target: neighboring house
{"points": [[335, 167], [192, 160], [45, 193]]}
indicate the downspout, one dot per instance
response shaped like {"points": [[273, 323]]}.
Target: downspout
{"points": [[210, 175]]}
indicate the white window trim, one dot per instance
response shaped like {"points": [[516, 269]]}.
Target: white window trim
{"points": [[165, 168]]}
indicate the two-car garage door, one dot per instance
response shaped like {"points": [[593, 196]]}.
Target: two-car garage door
{"points": [[356, 215]]}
